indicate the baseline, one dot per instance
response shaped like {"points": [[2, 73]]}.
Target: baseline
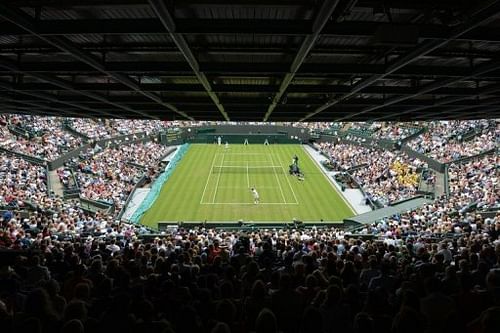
{"points": [[208, 178], [249, 203]]}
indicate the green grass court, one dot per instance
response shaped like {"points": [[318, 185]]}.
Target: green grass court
{"points": [[213, 183]]}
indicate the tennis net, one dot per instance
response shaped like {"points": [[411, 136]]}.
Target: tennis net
{"points": [[272, 169]]}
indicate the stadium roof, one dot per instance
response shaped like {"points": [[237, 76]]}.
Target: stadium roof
{"points": [[275, 60]]}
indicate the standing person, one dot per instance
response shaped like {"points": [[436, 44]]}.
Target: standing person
{"points": [[256, 197], [219, 140], [227, 145]]}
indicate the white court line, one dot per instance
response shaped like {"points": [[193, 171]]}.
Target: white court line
{"points": [[208, 178], [239, 161], [277, 179], [243, 187], [218, 179], [246, 166], [248, 177], [249, 203], [246, 154], [289, 184]]}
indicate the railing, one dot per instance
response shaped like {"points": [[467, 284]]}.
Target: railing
{"points": [[474, 157], [446, 181], [357, 167], [110, 142], [414, 135], [136, 165], [395, 203], [31, 159], [426, 188], [72, 190], [93, 206], [432, 163], [19, 131], [70, 129], [364, 141], [373, 204], [50, 193]]}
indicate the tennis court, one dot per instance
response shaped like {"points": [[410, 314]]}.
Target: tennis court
{"points": [[232, 175], [212, 183]]}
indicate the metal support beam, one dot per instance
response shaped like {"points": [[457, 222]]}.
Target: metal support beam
{"points": [[13, 108], [322, 17], [478, 17], [307, 70], [38, 106], [168, 22], [67, 86], [187, 26], [480, 70], [21, 20], [489, 90], [481, 106], [47, 97], [310, 89]]}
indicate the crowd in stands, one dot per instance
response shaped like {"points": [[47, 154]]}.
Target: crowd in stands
{"points": [[20, 182], [109, 174], [433, 269], [385, 176], [344, 156], [34, 126], [365, 126], [476, 182], [40, 137], [4, 132], [396, 131], [272, 280], [108, 128], [444, 141]]}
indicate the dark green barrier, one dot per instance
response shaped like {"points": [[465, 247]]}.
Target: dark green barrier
{"points": [[31, 159], [93, 206], [231, 138], [71, 130], [432, 163], [475, 157]]}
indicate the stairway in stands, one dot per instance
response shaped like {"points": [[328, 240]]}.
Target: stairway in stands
{"points": [[440, 184], [57, 186]]}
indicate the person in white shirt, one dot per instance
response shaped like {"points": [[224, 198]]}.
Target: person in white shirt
{"points": [[256, 197]]}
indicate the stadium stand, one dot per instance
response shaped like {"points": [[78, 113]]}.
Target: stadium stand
{"points": [[65, 266], [396, 99], [385, 176], [448, 141], [111, 127], [40, 137]]}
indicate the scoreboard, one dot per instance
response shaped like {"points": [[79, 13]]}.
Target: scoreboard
{"points": [[173, 134]]}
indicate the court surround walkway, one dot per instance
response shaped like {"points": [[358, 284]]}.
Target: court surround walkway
{"points": [[354, 197]]}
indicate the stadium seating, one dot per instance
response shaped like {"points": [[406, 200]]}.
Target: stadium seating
{"points": [[385, 176], [63, 268], [448, 141]]}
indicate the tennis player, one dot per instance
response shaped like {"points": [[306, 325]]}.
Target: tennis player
{"points": [[256, 197]]}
